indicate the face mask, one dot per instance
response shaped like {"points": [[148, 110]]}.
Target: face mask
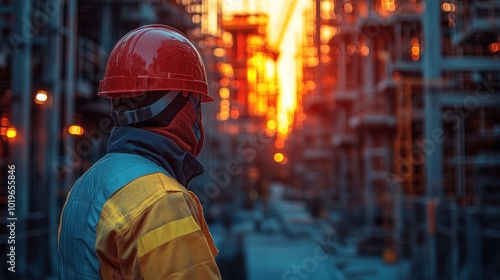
{"points": [[186, 128]]}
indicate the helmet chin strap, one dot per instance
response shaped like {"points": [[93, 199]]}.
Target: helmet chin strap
{"points": [[145, 113]]}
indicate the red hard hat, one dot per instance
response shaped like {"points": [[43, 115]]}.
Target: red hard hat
{"points": [[153, 58]]}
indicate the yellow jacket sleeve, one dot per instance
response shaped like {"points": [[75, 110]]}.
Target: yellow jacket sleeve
{"points": [[153, 228]]}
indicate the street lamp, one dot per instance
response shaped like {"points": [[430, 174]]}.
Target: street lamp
{"points": [[76, 130], [41, 97], [11, 132]]}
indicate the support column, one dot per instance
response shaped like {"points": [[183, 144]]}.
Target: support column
{"points": [[69, 92], [369, 191], [432, 121], [21, 116], [52, 78], [106, 26]]}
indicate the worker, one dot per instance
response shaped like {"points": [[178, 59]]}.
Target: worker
{"points": [[131, 216]]}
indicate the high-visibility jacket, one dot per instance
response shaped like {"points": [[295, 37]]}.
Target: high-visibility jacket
{"points": [[127, 218]]}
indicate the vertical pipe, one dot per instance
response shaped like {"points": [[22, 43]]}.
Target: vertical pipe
{"points": [[432, 120], [317, 44], [343, 178], [459, 156], [106, 25], [342, 67], [432, 110], [52, 72], [369, 193], [69, 106], [21, 116], [369, 75]]}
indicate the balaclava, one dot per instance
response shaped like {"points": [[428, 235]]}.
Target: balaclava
{"points": [[180, 121]]}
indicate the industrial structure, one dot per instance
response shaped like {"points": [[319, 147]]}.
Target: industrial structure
{"points": [[396, 129], [53, 125], [404, 102]]}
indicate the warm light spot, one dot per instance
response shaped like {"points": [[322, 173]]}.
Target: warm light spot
{"points": [[41, 96], [222, 116], [350, 49], [325, 59], [324, 49], [252, 75], [396, 76], [301, 117], [284, 161], [415, 50], [348, 8], [279, 157], [225, 68], [196, 18], [364, 50], [327, 32], [219, 52], [255, 40], [494, 47], [11, 132], [235, 113], [389, 5], [279, 144], [448, 7], [224, 82], [224, 93], [5, 122], [445, 7], [271, 124], [270, 69], [227, 38], [224, 103], [311, 85], [75, 130], [3, 131]]}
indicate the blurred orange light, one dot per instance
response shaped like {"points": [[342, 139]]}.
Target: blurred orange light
{"points": [[224, 93], [389, 5], [364, 50], [279, 157], [235, 113], [448, 7], [271, 124], [285, 160], [5, 122], [227, 37], [302, 116], [224, 82], [494, 47], [41, 96], [3, 131], [279, 144], [11, 132], [348, 8], [219, 52], [196, 18], [415, 50], [75, 130], [311, 85], [325, 49]]}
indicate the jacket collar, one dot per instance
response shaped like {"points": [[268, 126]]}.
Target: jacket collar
{"points": [[181, 165]]}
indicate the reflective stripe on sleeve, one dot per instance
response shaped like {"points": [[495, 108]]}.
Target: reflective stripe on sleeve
{"points": [[165, 233]]}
